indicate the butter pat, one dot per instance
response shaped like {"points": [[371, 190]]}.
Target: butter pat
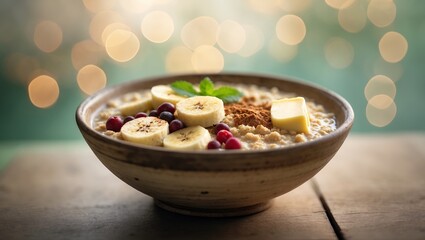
{"points": [[291, 114]]}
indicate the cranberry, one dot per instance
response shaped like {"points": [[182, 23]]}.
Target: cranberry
{"points": [[169, 107], [167, 116], [223, 135], [153, 113], [128, 119], [114, 123], [175, 125], [221, 126], [140, 114], [233, 143], [214, 144]]}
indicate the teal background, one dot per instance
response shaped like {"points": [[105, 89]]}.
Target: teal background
{"points": [[20, 120]]}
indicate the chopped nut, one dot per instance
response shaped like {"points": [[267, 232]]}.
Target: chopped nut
{"points": [[300, 138], [260, 129], [250, 137], [273, 137]]}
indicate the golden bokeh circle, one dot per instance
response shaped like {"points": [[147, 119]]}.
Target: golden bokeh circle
{"points": [[381, 12], [200, 31], [91, 78], [380, 84], [48, 36], [157, 26], [207, 59], [122, 45], [381, 110], [179, 60], [290, 29], [43, 91], [393, 47], [231, 36]]}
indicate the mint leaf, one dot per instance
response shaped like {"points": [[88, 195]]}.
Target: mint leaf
{"points": [[184, 88], [206, 86], [227, 94]]}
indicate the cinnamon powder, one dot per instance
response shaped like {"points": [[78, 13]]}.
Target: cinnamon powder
{"points": [[248, 113]]}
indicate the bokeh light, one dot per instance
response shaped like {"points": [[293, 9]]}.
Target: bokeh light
{"points": [[281, 51], [393, 47], [157, 26], [47, 36], [200, 31], [380, 84], [339, 53], [381, 12], [207, 59], [111, 28], [179, 60], [91, 78], [353, 18], [264, 6], [339, 4], [100, 21], [231, 36], [43, 91], [381, 110], [122, 45], [254, 41], [85, 52], [290, 29], [99, 5]]}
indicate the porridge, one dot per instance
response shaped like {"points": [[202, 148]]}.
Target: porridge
{"points": [[224, 116]]}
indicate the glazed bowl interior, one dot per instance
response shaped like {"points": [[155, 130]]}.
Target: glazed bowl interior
{"points": [[294, 164]]}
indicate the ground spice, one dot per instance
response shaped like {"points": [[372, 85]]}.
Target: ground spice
{"points": [[248, 113]]}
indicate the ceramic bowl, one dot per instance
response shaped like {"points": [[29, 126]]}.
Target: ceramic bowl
{"points": [[215, 183]]}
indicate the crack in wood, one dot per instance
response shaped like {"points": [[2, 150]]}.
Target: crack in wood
{"points": [[329, 215]]}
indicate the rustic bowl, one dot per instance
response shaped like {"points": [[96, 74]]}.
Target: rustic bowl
{"points": [[215, 183]]}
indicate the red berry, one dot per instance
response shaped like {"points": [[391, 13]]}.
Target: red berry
{"points": [[233, 143], [223, 135], [214, 144], [167, 116], [153, 113], [128, 119], [140, 114], [169, 107], [221, 126], [114, 123], [175, 125]]}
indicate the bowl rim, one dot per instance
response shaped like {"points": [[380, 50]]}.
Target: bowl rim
{"points": [[340, 130]]}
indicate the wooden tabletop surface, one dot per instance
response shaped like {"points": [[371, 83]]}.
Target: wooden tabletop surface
{"points": [[374, 188]]}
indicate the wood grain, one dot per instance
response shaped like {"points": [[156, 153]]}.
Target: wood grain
{"points": [[55, 192], [375, 187]]}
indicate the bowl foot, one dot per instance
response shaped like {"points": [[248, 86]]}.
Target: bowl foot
{"points": [[201, 212]]}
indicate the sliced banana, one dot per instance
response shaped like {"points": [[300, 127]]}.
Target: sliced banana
{"points": [[190, 138], [204, 111], [163, 93], [147, 130], [133, 107]]}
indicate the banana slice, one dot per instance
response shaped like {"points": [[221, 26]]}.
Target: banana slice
{"points": [[147, 130], [131, 108], [204, 111], [163, 93], [190, 138]]}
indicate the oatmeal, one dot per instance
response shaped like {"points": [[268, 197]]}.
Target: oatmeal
{"points": [[199, 121]]}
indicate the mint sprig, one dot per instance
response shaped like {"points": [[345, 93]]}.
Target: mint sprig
{"points": [[206, 88]]}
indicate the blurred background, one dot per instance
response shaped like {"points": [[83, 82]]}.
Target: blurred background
{"points": [[53, 54]]}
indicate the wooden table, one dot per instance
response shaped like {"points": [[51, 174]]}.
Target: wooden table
{"points": [[374, 188]]}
